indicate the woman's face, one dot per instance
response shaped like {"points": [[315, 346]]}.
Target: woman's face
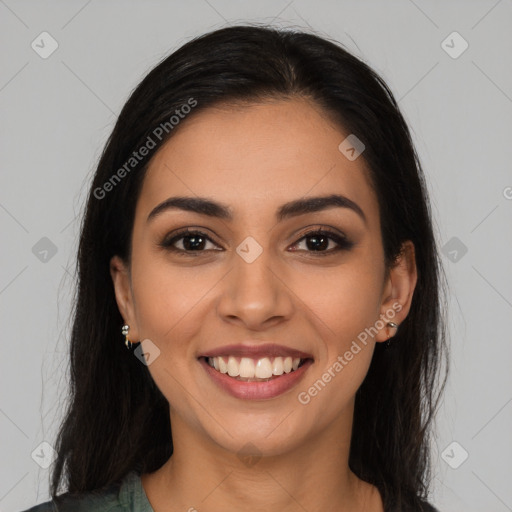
{"points": [[252, 279]]}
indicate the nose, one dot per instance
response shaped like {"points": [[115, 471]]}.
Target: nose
{"points": [[255, 294]]}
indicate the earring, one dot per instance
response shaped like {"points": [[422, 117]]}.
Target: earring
{"points": [[124, 331], [393, 326]]}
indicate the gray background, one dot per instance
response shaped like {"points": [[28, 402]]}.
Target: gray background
{"points": [[57, 113]]}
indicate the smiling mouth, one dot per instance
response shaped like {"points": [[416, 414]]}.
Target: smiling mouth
{"points": [[247, 369]]}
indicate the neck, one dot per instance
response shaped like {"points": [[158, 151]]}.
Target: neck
{"points": [[313, 475]]}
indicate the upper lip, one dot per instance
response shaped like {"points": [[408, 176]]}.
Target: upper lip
{"points": [[256, 351]]}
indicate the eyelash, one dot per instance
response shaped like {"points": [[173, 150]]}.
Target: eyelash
{"points": [[343, 243]]}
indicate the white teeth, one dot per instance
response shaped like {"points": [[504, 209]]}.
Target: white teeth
{"points": [[249, 368], [263, 368], [246, 367], [233, 367], [277, 368], [214, 362], [223, 367]]}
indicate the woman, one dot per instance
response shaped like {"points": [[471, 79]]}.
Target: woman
{"points": [[258, 235]]}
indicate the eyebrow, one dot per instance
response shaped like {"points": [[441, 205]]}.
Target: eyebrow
{"points": [[205, 206]]}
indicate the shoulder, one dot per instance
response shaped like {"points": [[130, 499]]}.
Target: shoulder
{"points": [[78, 503], [106, 501], [125, 496]]}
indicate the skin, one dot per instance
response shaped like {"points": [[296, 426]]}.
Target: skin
{"points": [[254, 158]]}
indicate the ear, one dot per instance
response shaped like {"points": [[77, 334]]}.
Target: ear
{"points": [[398, 292], [124, 295]]}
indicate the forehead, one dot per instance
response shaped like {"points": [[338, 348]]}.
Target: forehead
{"points": [[256, 157]]}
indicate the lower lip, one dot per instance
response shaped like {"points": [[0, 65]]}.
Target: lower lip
{"points": [[256, 390]]}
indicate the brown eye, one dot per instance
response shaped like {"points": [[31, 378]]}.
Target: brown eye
{"points": [[191, 241], [318, 241]]}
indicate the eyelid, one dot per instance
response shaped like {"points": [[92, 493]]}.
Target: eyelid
{"points": [[319, 228]]}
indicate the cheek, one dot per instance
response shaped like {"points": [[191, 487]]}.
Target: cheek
{"points": [[345, 303], [170, 304], [346, 298], [168, 298]]}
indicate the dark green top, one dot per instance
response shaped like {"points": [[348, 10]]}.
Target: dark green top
{"points": [[128, 496]]}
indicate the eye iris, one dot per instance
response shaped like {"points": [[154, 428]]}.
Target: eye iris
{"points": [[319, 242], [198, 243]]}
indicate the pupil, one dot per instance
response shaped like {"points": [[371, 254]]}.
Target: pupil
{"points": [[195, 245], [324, 244]]}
